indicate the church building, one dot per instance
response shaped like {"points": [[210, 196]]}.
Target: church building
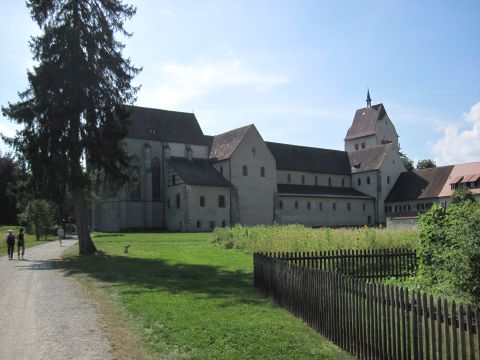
{"points": [[192, 182]]}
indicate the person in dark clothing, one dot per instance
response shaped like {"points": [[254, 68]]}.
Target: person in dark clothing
{"points": [[21, 244], [10, 244]]}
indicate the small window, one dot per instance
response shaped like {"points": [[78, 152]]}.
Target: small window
{"points": [[343, 182], [356, 146], [221, 201], [199, 224], [320, 206], [334, 206], [296, 205], [289, 178], [224, 223], [174, 179], [280, 205], [303, 179], [349, 207], [368, 180], [221, 170], [309, 206], [202, 201], [363, 145], [359, 181], [388, 179], [262, 171], [212, 225], [177, 201], [316, 180], [329, 181], [245, 170], [364, 207], [168, 203]]}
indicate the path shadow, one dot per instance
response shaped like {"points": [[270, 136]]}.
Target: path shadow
{"points": [[149, 275]]}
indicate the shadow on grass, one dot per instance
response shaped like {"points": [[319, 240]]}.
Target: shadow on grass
{"points": [[149, 275]]}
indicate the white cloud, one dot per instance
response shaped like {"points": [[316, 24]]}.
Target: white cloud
{"points": [[176, 84], [461, 141]]}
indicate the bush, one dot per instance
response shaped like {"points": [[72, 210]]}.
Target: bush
{"points": [[449, 251], [38, 217]]}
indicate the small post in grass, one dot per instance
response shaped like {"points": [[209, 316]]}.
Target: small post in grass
{"points": [[126, 248]]}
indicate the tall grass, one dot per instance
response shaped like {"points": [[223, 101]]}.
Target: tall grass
{"points": [[301, 238]]}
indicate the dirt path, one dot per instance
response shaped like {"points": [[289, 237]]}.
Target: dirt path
{"points": [[42, 314]]}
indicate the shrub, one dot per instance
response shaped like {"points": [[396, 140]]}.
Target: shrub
{"points": [[449, 251]]}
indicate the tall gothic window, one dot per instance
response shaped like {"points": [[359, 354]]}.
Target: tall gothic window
{"points": [[135, 191], [245, 170], [156, 180]]}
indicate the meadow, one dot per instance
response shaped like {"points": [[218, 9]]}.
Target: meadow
{"points": [[188, 299], [300, 238]]}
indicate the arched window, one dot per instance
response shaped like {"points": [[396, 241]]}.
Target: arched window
{"points": [[356, 146], [363, 145], [349, 207], [320, 206], [368, 180], [135, 189], [343, 182], [245, 170], [316, 180], [309, 206], [334, 206], [388, 179], [303, 179], [289, 178], [296, 204], [199, 224], [262, 171], [329, 181], [280, 205], [359, 181], [202, 201], [156, 180]]}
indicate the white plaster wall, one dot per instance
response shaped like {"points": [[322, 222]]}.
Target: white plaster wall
{"points": [[386, 131], [370, 141], [322, 178], [211, 211], [179, 150], [324, 215], [255, 193], [225, 164], [177, 218]]}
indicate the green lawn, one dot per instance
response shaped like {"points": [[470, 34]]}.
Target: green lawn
{"points": [[194, 300], [29, 239]]}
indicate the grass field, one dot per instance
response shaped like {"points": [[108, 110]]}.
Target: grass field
{"points": [[301, 238], [191, 300], [29, 239]]}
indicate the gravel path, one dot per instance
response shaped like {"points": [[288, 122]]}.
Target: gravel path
{"points": [[42, 314]]}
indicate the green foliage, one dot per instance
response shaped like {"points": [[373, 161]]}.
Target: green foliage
{"points": [[426, 164], [191, 300], [406, 161], [462, 195], [302, 238], [39, 217], [449, 251]]}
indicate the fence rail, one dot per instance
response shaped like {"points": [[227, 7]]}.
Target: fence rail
{"points": [[370, 320], [366, 264]]}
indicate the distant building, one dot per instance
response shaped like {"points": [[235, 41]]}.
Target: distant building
{"points": [[192, 182]]}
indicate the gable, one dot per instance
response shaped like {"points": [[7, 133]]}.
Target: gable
{"points": [[365, 122]]}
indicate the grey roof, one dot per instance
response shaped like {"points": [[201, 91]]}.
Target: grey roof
{"points": [[368, 159], [320, 191], [365, 121], [224, 145], [197, 172], [164, 125], [419, 184], [302, 158]]}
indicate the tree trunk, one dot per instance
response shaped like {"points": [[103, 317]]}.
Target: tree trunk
{"points": [[85, 243]]}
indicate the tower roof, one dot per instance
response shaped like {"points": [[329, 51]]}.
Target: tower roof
{"points": [[365, 121]]}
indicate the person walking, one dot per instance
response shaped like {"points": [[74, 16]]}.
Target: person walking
{"points": [[61, 234], [21, 244], [10, 244]]}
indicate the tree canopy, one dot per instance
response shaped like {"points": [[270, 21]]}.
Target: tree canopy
{"points": [[74, 109], [426, 164]]}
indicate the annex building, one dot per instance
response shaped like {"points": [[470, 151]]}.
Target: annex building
{"points": [[189, 181]]}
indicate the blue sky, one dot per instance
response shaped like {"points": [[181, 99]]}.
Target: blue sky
{"points": [[299, 69]]}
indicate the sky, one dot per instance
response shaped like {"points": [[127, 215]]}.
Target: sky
{"points": [[298, 70]]}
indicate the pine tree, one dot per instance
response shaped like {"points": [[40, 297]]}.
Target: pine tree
{"points": [[75, 109]]}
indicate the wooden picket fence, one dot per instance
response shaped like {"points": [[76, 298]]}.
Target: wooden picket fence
{"points": [[370, 320], [369, 264]]}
